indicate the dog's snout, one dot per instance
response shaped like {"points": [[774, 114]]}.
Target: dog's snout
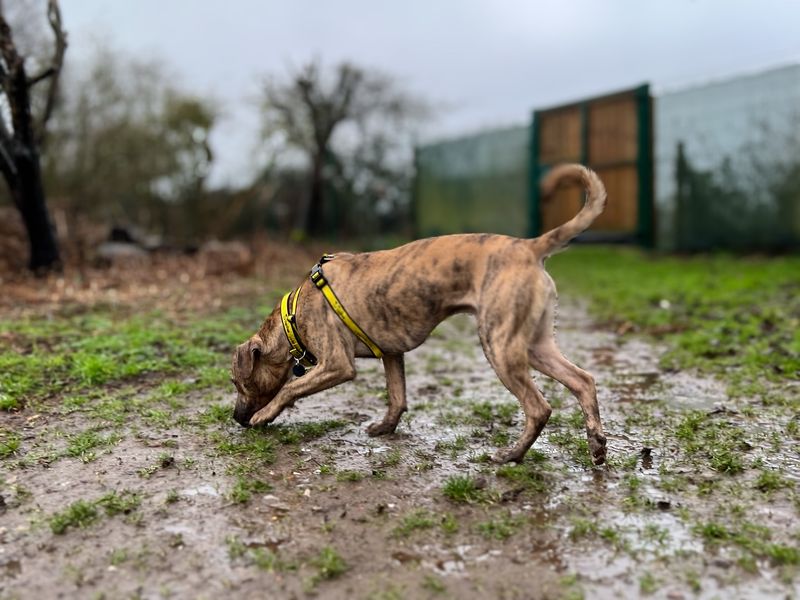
{"points": [[242, 416]]}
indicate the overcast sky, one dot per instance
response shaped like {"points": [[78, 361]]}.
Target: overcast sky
{"points": [[485, 63]]}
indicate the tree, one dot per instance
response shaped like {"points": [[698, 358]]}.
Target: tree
{"points": [[342, 125], [128, 147], [22, 135]]}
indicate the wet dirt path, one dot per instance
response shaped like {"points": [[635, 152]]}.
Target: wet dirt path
{"points": [[313, 506]]}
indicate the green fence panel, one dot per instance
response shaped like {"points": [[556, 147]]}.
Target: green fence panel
{"points": [[728, 164], [476, 183]]}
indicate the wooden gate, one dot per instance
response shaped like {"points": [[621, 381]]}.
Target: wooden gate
{"points": [[613, 135]]}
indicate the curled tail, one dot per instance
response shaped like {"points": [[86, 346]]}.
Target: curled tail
{"points": [[557, 238]]}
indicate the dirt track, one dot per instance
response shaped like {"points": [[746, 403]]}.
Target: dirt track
{"points": [[312, 506]]}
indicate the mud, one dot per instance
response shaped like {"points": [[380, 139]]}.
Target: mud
{"points": [[565, 530]]}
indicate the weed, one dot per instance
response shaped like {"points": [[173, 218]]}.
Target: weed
{"points": [[123, 503], [304, 432], [347, 475], [78, 514], [9, 443], [434, 584], [770, 481], [582, 528], [118, 556], [418, 519], [245, 487], [83, 445], [9, 403], [329, 564], [648, 584], [449, 524], [462, 488], [500, 528], [528, 474], [393, 458], [236, 548]]}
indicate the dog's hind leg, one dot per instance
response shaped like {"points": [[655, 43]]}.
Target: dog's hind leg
{"points": [[394, 366], [547, 358], [509, 360]]}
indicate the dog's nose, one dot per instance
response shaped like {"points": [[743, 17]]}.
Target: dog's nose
{"points": [[241, 416]]}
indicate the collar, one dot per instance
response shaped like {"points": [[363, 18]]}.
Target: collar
{"points": [[303, 358]]}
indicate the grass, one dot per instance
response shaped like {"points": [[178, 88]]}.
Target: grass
{"points": [[414, 521], [304, 432], [84, 444], [9, 443], [82, 513], [348, 475], [734, 316], [499, 528], [463, 489], [103, 346], [329, 564], [78, 514], [244, 488]]}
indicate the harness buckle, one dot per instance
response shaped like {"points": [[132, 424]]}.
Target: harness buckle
{"points": [[317, 277]]}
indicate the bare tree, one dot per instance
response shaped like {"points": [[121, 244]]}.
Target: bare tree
{"points": [[307, 111], [22, 134]]}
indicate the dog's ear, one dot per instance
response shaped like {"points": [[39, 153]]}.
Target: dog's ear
{"points": [[247, 354]]}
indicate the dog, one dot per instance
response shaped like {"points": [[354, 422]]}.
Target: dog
{"points": [[400, 295]]}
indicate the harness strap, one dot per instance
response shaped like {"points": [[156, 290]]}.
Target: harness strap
{"points": [[318, 278], [300, 353]]}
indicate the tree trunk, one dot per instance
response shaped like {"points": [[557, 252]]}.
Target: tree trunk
{"points": [[20, 142], [28, 195]]}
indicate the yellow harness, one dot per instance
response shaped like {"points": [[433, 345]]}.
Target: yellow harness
{"points": [[303, 357]]}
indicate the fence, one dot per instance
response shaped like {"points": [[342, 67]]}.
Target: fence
{"points": [[728, 164], [714, 166], [486, 182], [472, 184]]}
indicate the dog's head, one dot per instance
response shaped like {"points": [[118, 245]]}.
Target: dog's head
{"points": [[260, 368]]}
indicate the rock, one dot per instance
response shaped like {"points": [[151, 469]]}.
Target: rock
{"points": [[218, 258], [119, 253]]}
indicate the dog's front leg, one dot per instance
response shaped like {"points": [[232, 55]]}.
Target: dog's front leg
{"points": [[394, 366], [323, 376]]}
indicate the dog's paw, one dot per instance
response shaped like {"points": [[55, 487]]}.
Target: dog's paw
{"points": [[265, 415], [380, 428], [597, 448], [502, 457]]}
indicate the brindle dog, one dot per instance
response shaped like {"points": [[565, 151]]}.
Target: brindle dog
{"points": [[398, 296]]}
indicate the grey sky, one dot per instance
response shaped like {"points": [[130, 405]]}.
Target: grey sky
{"points": [[485, 63]]}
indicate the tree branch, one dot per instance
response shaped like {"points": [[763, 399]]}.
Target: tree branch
{"points": [[32, 81], [60, 48]]}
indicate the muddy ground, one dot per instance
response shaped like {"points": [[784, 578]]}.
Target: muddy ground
{"points": [[147, 488]]}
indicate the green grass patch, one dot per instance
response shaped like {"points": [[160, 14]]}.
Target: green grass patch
{"points": [[329, 564], [297, 433], [731, 315], [244, 488], [84, 445], [103, 346], [414, 521], [79, 514], [463, 489], [499, 528], [9, 443]]}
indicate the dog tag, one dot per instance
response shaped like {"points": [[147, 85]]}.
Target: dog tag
{"points": [[298, 370]]}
